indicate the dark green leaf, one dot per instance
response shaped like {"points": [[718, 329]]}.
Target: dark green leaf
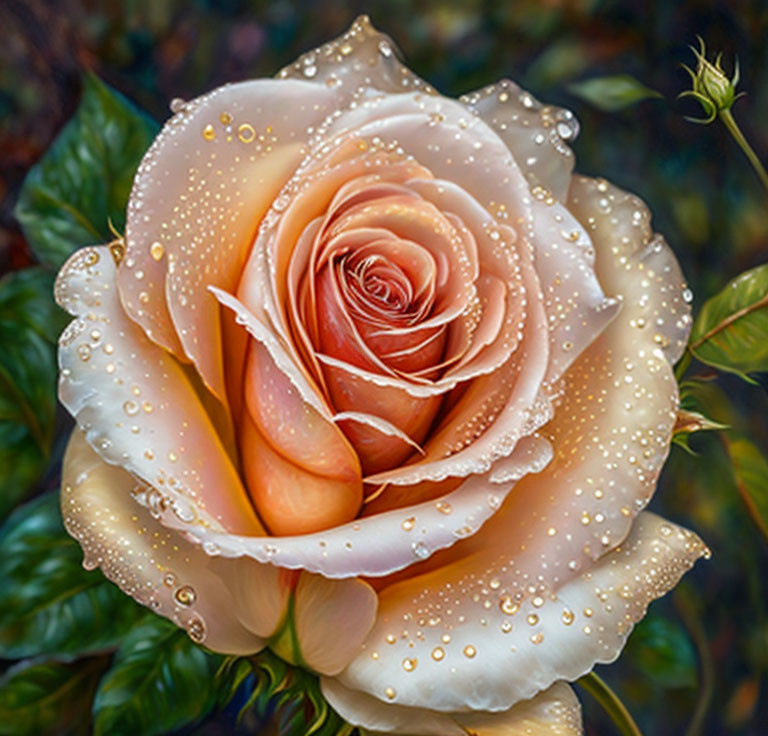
{"points": [[84, 179], [21, 464], [160, 681], [662, 650], [731, 331], [29, 325], [750, 469], [26, 297], [49, 604], [48, 698], [613, 92]]}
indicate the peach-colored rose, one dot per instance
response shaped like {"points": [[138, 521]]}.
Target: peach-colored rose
{"points": [[380, 353]]}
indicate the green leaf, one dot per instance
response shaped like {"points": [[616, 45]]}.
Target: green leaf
{"points": [[731, 331], [49, 604], [29, 325], [160, 681], [48, 698], [750, 468], [84, 179], [663, 652], [26, 297], [21, 465], [612, 93]]}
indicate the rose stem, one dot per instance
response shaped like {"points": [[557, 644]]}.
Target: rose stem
{"points": [[610, 703], [733, 128]]}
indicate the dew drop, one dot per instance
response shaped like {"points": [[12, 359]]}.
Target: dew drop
{"points": [[444, 507], [185, 595], [156, 250], [196, 630], [246, 133], [131, 408], [420, 550]]}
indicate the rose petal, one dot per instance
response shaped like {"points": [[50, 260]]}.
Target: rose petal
{"points": [[333, 617], [196, 203], [293, 427], [154, 565], [362, 56], [612, 426], [457, 146], [380, 545], [535, 133], [554, 712], [494, 413], [290, 499], [480, 643], [136, 405], [643, 269]]}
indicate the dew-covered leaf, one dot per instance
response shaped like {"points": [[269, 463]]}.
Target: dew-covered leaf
{"points": [[613, 92], [731, 330], [160, 680], [49, 604], [84, 179]]}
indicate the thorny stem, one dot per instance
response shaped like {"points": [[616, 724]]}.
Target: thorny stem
{"points": [[610, 703], [738, 136]]}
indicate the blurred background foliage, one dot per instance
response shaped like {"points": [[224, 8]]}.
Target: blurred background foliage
{"points": [[697, 664]]}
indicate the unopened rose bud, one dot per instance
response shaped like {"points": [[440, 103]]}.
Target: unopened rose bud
{"points": [[711, 86]]}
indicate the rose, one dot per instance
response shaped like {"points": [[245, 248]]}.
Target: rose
{"points": [[373, 380]]}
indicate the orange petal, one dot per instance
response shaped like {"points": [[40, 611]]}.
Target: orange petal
{"points": [[293, 428], [290, 499]]}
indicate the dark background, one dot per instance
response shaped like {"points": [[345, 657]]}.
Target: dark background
{"points": [[699, 660]]}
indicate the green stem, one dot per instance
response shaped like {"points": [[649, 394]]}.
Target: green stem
{"points": [[686, 608], [738, 136], [682, 366], [610, 703]]}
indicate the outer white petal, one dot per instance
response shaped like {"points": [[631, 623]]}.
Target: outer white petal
{"points": [[137, 407], [361, 57], [153, 564], [468, 636], [554, 712], [535, 134]]}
